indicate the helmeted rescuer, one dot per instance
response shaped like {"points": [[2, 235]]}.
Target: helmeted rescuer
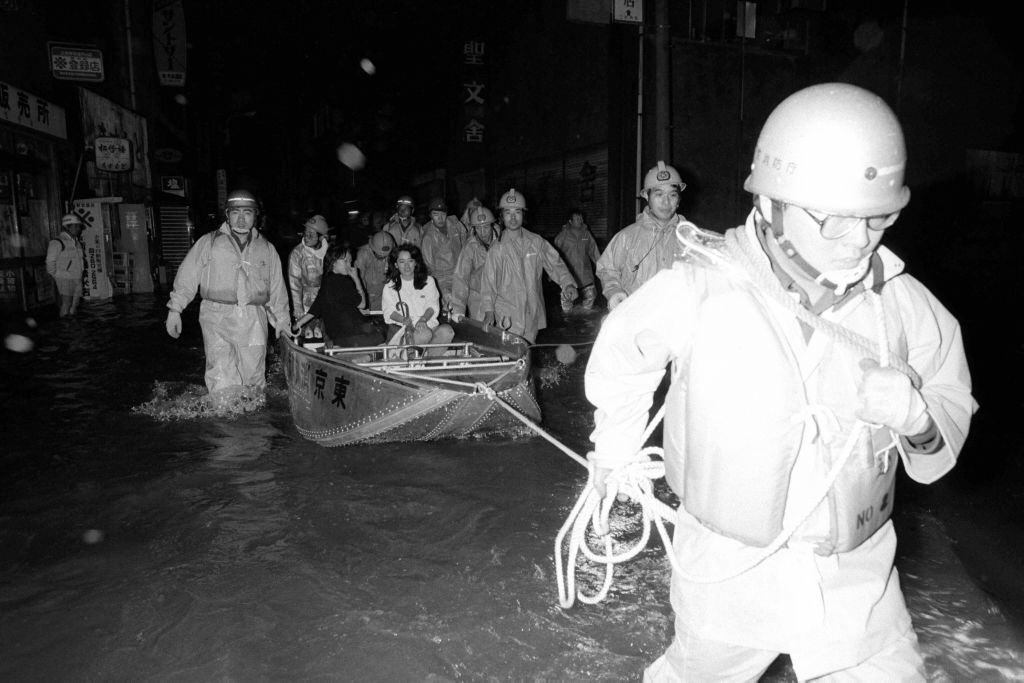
{"points": [[638, 251], [469, 268], [65, 263], [511, 291], [579, 249], [443, 239], [237, 272], [306, 270], [806, 365], [372, 265], [402, 225]]}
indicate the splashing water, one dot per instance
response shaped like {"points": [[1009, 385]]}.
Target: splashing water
{"points": [[177, 401]]}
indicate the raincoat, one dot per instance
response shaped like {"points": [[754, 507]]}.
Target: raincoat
{"points": [[371, 269], [510, 285], [65, 259], [239, 288], [466, 280], [411, 234], [305, 270], [829, 610], [635, 254], [440, 252], [579, 250]]}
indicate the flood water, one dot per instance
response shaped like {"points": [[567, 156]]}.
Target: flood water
{"points": [[229, 548]]}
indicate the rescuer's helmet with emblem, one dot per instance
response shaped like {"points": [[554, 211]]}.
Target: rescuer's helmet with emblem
{"points": [[512, 200], [662, 175]]}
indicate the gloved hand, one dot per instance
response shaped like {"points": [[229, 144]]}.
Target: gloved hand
{"points": [[887, 397], [616, 299], [489, 318], [296, 328], [173, 324], [569, 293], [455, 316]]}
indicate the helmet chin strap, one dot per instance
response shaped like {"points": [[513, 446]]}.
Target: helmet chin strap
{"points": [[838, 281]]}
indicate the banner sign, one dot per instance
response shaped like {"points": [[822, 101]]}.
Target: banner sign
{"points": [[97, 264], [22, 108], [70, 62], [169, 42]]}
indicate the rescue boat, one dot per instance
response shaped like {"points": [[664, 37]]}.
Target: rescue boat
{"points": [[376, 394]]}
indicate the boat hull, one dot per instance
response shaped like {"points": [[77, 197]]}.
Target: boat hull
{"points": [[337, 402]]}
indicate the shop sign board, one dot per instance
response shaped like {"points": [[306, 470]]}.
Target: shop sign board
{"points": [[173, 184], [169, 42], [22, 108], [70, 62], [113, 154]]}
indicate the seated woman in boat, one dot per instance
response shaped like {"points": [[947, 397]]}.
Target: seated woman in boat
{"points": [[410, 301], [339, 303]]}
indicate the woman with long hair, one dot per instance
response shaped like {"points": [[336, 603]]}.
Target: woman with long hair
{"points": [[410, 300], [338, 303]]}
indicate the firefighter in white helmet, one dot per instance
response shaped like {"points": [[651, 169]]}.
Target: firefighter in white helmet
{"points": [[306, 270], [237, 272], [402, 225], [443, 239], [647, 246], [470, 266], [797, 345], [65, 263], [511, 292], [372, 265]]}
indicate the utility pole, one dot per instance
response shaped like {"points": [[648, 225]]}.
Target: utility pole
{"points": [[662, 83]]}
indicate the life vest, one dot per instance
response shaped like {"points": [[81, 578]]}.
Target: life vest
{"points": [[747, 412]]}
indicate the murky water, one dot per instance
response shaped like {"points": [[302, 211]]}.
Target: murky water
{"points": [[226, 547]]}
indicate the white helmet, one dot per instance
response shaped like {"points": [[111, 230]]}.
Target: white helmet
{"points": [[512, 200], [71, 219], [833, 147], [660, 175]]}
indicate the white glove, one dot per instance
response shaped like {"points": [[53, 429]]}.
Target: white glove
{"points": [[616, 299], [887, 397], [173, 324], [569, 293]]}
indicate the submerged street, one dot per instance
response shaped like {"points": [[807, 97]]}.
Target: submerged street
{"points": [[230, 548]]}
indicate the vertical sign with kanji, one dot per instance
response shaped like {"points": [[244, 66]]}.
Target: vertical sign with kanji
{"points": [[474, 95], [169, 42]]}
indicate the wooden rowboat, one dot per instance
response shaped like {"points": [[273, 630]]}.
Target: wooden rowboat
{"points": [[378, 394]]}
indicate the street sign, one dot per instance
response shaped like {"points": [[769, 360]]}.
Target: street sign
{"points": [[629, 11], [113, 154], [70, 62]]}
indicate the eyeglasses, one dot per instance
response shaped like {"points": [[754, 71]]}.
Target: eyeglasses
{"points": [[833, 227]]}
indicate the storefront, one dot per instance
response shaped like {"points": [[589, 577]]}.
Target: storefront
{"points": [[31, 131]]}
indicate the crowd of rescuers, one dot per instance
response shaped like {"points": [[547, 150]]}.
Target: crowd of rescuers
{"points": [[409, 281]]}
